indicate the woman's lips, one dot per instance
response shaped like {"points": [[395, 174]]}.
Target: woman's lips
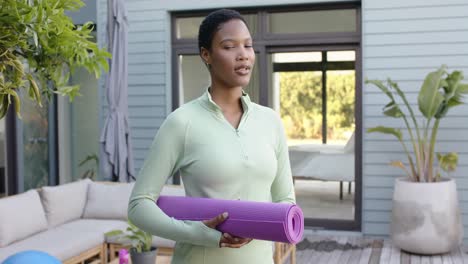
{"points": [[242, 70]]}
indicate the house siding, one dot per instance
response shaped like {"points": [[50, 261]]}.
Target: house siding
{"points": [[148, 59], [404, 40]]}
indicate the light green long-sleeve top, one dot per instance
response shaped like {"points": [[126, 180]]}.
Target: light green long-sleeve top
{"points": [[218, 161]]}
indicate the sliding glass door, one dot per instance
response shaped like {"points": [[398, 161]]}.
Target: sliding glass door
{"points": [[31, 146], [37, 146], [314, 93]]}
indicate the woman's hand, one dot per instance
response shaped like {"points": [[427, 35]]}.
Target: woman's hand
{"points": [[226, 240]]}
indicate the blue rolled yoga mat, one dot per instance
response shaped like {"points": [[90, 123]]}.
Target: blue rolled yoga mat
{"points": [[281, 222]]}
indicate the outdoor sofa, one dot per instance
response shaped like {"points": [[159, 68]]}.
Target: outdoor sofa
{"points": [[69, 222]]}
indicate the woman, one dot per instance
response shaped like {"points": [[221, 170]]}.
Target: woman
{"points": [[225, 147]]}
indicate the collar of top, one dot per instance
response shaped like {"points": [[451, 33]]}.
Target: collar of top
{"points": [[208, 102]]}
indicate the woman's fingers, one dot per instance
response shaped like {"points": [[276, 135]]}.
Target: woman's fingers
{"points": [[227, 240], [214, 222], [230, 241], [234, 245], [235, 240], [230, 238]]}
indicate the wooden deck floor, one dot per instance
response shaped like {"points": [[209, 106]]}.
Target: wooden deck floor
{"points": [[358, 250]]}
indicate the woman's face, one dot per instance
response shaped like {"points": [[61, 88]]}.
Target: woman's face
{"points": [[232, 56]]}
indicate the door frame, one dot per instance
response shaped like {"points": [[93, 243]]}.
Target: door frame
{"points": [[334, 224], [12, 170]]}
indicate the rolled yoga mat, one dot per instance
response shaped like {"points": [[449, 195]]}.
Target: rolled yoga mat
{"points": [[281, 222]]}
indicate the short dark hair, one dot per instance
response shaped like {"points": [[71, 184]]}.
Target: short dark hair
{"points": [[211, 24]]}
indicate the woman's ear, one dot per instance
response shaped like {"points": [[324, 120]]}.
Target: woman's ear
{"points": [[205, 55]]}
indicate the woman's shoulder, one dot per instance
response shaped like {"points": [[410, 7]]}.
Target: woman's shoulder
{"points": [[266, 113], [182, 115]]}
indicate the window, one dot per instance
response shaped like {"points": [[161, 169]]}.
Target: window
{"points": [[317, 21], [187, 27], [314, 93]]}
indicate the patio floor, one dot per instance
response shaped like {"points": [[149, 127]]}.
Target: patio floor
{"points": [[359, 250], [320, 199]]}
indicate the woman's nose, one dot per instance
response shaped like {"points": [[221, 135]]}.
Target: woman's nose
{"points": [[243, 54]]}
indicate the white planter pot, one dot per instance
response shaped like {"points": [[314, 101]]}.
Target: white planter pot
{"points": [[426, 217]]}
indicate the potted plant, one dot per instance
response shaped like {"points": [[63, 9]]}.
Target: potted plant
{"points": [[140, 242], [425, 215], [90, 173]]}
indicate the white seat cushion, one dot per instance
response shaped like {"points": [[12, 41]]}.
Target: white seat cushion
{"points": [[22, 215], [64, 203], [108, 201], [319, 162], [324, 167], [94, 226], [67, 240], [60, 243]]}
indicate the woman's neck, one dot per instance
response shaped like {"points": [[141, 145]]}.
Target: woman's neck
{"points": [[227, 98]]}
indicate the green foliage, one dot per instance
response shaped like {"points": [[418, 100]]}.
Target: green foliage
{"points": [[439, 92], [92, 171], [387, 130], [448, 162], [39, 48], [430, 99], [139, 239], [301, 104], [340, 103]]}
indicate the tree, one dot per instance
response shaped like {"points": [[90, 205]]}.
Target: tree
{"points": [[39, 48], [301, 104]]}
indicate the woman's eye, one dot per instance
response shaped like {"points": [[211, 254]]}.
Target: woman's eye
{"points": [[248, 46], [228, 47]]}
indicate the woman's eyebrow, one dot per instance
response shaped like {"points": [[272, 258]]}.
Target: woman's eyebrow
{"points": [[233, 40]]}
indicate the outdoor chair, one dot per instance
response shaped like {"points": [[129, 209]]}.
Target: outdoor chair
{"points": [[324, 162]]}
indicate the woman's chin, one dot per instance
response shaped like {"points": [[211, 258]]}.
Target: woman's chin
{"points": [[236, 82], [242, 82]]}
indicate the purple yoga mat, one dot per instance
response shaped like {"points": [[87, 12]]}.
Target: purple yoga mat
{"points": [[281, 222]]}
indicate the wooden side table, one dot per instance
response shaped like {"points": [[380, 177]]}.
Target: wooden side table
{"points": [[159, 260]]}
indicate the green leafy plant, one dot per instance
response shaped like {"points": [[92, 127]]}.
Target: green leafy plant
{"points": [[138, 239], [40, 47], [439, 92], [92, 171]]}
